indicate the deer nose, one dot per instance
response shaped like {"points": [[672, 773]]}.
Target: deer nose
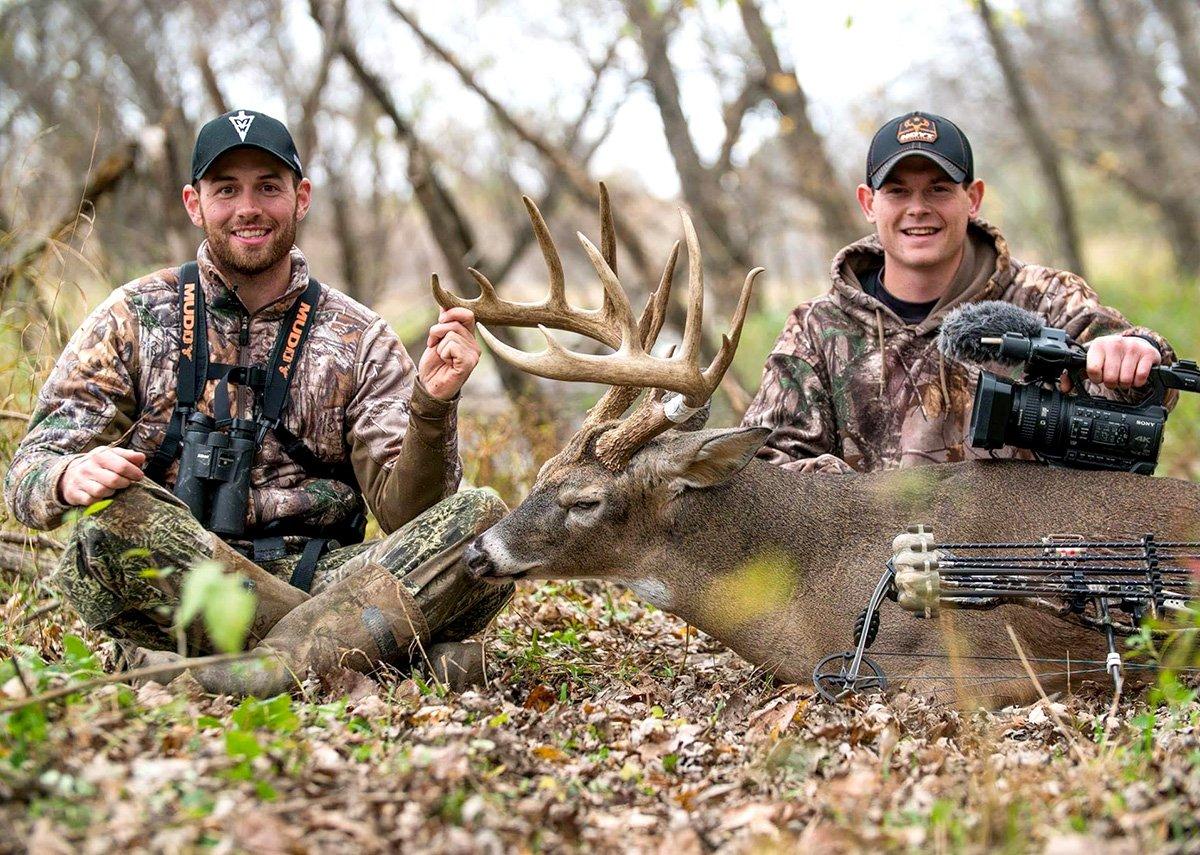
{"points": [[479, 563]]}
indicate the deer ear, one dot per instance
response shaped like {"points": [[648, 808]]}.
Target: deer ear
{"points": [[707, 458]]}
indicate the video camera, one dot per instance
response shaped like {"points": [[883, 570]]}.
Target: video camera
{"points": [[1073, 429]]}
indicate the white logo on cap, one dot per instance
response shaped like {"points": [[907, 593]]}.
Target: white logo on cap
{"points": [[241, 124]]}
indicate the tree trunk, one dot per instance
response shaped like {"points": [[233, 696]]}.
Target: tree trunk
{"points": [[1140, 107], [698, 184], [535, 412], [1035, 132], [818, 180], [1180, 16]]}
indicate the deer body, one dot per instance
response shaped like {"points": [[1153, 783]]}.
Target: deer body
{"points": [[775, 564]]}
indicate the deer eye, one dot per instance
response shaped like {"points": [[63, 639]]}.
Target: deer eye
{"points": [[585, 505]]}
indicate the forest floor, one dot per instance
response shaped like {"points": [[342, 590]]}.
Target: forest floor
{"points": [[607, 726]]}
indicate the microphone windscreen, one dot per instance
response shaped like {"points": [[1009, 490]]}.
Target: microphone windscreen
{"points": [[965, 326]]}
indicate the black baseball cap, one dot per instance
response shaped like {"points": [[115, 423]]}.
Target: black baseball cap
{"points": [[243, 129], [925, 135]]}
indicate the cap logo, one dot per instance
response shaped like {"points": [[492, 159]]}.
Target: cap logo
{"points": [[241, 124], [916, 129]]}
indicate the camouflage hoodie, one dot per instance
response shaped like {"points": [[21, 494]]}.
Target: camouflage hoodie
{"points": [[850, 386], [354, 397]]}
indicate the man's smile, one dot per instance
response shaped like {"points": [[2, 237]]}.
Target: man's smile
{"points": [[252, 236]]}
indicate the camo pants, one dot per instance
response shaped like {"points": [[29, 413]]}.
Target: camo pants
{"points": [[123, 567]]}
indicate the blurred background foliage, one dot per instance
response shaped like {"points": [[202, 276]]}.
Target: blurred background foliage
{"points": [[423, 124]]}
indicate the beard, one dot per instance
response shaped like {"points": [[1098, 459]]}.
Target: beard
{"points": [[251, 261]]}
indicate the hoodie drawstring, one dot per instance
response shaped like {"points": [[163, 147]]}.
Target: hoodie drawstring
{"points": [[942, 378], [882, 354]]}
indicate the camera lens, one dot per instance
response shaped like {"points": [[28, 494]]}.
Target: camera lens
{"points": [[989, 416], [1040, 413]]}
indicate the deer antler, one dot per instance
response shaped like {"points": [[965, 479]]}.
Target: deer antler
{"points": [[632, 367]]}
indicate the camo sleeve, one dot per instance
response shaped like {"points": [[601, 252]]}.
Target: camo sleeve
{"points": [[794, 400], [88, 400], [1068, 303], [403, 441]]}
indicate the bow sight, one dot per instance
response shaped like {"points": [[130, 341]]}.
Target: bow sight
{"points": [[1075, 430], [1109, 586]]}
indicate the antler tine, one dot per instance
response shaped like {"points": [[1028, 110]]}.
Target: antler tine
{"points": [[616, 399], [720, 364], [693, 327], [631, 339], [608, 230], [557, 298], [655, 313]]}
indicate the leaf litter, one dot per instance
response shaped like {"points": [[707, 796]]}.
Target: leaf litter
{"points": [[608, 726]]}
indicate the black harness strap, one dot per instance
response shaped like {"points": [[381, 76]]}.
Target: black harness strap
{"points": [[273, 383], [193, 368], [288, 346], [306, 567]]}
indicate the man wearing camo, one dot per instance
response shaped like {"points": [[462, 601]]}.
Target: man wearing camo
{"points": [[360, 424], [856, 381]]}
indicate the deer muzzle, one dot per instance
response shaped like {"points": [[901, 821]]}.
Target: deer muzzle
{"points": [[489, 559], [479, 563]]}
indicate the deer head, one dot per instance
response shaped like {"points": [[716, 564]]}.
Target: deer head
{"points": [[602, 506]]}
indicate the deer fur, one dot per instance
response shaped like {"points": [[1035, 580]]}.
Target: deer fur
{"points": [[777, 564]]}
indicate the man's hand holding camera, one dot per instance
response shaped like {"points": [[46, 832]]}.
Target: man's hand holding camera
{"points": [[1121, 361], [451, 353]]}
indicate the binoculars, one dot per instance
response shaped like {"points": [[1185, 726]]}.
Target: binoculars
{"points": [[214, 472]]}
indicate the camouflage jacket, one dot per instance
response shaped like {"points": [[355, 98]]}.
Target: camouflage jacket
{"points": [[354, 397], [850, 386]]}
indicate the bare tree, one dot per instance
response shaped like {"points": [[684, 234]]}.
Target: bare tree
{"points": [[1156, 178], [819, 182], [574, 175], [1035, 132], [700, 183], [1181, 17]]}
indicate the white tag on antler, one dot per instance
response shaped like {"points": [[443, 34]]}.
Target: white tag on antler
{"points": [[677, 411]]}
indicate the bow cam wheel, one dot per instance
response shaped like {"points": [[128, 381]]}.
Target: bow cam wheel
{"points": [[833, 682]]}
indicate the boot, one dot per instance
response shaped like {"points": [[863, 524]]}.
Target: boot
{"points": [[461, 665], [365, 619], [274, 597]]}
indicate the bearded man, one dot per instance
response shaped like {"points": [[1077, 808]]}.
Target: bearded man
{"points": [[236, 409], [856, 381]]}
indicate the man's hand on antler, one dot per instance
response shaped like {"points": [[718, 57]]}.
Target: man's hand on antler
{"points": [[451, 353]]}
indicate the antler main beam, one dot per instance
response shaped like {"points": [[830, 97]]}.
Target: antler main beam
{"points": [[632, 366]]}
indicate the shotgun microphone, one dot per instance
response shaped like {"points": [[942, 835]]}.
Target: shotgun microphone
{"points": [[965, 326]]}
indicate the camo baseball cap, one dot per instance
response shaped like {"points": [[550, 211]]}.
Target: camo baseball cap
{"points": [[243, 129], [923, 134]]}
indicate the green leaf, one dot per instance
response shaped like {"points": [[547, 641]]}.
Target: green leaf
{"points": [[265, 791], [195, 592], [228, 613], [206, 721], [278, 714], [242, 743], [77, 652], [223, 600], [498, 720], [249, 714], [97, 507]]}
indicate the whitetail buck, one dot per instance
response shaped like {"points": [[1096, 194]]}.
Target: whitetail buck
{"points": [[773, 563]]}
